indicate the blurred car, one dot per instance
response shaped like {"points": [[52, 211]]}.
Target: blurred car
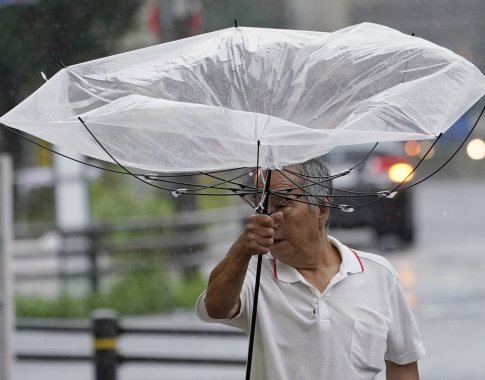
{"points": [[383, 170]]}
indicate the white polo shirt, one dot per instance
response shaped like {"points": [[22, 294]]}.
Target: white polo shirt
{"points": [[361, 319]]}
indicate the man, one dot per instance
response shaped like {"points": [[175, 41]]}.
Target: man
{"points": [[325, 311]]}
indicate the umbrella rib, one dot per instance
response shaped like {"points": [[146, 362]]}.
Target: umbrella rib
{"points": [[365, 158], [360, 194], [196, 187], [236, 191], [302, 188], [116, 161], [150, 176], [223, 181], [6, 127], [329, 204], [342, 174], [326, 179], [192, 174], [396, 188], [216, 186], [451, 157]]}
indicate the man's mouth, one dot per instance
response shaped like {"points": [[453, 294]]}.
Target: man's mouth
{"points": [[276, 241]]}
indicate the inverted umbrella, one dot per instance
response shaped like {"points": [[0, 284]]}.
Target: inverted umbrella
{"points": [[203, 103], [234, 97]]}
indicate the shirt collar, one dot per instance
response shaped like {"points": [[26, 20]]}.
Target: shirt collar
{"points": [[351, 263]]}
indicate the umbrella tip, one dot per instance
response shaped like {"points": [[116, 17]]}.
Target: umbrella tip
{"points": [[235, 23], [62, 64]]}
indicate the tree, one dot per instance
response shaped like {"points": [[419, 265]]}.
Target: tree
{"points": [[39, 37]]}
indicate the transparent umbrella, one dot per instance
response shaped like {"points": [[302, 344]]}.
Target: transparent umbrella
{"points": [[204, 103]]}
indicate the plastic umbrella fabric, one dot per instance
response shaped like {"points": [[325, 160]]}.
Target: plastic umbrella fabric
{"points": [[204, 103]]}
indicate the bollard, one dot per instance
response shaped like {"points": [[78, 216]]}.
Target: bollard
{"points": [[105, 324]]}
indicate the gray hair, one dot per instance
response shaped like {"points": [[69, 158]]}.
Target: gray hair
{"points": [[316, 179]]}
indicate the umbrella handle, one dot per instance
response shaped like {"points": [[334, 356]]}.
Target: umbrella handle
{"points": [[264, 210]]}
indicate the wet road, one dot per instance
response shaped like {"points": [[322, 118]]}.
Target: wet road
{"points": [[444, 277], [442, 273]]}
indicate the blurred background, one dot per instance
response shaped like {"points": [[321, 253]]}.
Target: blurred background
{"points": [[86, 239]]}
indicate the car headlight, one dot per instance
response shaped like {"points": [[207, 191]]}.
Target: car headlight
{"points": [[400, 172]]}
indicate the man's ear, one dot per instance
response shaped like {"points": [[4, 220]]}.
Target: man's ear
{"points": [[324, 213]]}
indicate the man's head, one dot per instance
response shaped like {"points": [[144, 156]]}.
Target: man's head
{"points": [[301, 227], [308, 182]]}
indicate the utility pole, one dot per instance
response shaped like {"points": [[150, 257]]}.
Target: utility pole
{"points": [[6, 291], [73, 219]]}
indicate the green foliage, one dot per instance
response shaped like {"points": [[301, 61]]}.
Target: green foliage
{"points": [[138, 293], [153, 291], [115, 196], [209, 203], [64, 306], [35, 206], [191, 287]]}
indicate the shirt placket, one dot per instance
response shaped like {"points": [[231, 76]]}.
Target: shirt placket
{"points": [[321, 309]]}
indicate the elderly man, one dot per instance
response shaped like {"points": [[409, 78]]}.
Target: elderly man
{"points": [[325, 311]]}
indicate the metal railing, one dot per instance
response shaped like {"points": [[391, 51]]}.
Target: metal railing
{"points": [[104, 243], [106, 328]]}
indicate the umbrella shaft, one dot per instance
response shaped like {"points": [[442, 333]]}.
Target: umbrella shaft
{"points": [[256, 284]]}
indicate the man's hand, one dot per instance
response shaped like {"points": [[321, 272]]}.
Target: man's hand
{"points": [[258, 234], [226, 280]]}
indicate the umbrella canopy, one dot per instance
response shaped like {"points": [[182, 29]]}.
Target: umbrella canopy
{"points": [[203, 103]]}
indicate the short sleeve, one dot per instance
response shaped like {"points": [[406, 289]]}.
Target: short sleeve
{"points": [[404, 344], [242, 320]]}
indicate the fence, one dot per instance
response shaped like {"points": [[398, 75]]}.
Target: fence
{"points": [[105, 328], [99, 249]]}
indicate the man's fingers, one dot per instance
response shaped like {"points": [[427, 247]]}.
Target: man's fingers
{"points": [[264, 243], [261, 225], [264, 232], [259, 232], [262, 220]]}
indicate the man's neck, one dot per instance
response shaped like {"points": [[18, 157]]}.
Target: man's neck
{"points": [[326, 265]]}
